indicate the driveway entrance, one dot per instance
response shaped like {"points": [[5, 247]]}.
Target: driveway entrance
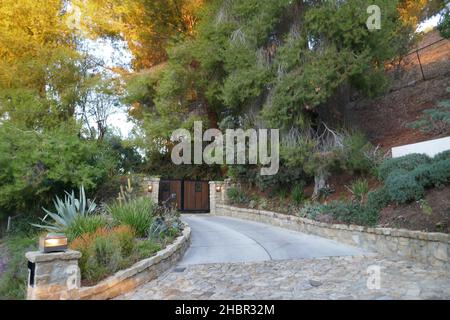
{"points": [[190, 195]]}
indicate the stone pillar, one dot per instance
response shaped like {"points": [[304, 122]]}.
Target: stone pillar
{"points": [[53, 276], [217, 194], [154, 182]]}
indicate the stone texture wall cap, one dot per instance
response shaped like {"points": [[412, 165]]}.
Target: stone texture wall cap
{"points": [[37, 256]]}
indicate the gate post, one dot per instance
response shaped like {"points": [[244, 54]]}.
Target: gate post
{"points": [[53, 276], [151, 186], [217, 195]]}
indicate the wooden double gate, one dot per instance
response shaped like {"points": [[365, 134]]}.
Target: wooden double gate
{"points": [[190, 196]]}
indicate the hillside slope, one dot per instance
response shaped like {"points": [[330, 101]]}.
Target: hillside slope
{"points": [[384, 119]]}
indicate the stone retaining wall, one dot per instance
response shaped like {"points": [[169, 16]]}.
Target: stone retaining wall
{"points": [[53, 281], [430, 248]]}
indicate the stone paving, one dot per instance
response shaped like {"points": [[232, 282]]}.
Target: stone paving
{"points": [[321, 278]]}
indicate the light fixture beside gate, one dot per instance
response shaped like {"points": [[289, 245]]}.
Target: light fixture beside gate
{"points": [[150, 188], [218, 188]]}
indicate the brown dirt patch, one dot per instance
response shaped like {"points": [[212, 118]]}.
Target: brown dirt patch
{"points": [[413, 217]]}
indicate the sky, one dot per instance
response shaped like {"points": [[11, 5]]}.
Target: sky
{"points": [[117, 54]]}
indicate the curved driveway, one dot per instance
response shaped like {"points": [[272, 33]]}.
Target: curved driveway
{"points": [[224, 240]]}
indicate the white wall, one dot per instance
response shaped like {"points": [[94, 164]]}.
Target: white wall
{"points": [[430, 148]]}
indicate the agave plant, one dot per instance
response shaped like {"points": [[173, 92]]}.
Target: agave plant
{"points": [[67, 211]]}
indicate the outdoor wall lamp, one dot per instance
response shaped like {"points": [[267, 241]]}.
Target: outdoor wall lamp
{"points": [[53, 242], [150, 188], [218, 188]]}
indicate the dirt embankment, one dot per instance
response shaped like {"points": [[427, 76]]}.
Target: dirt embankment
{"points": [[384, 120]]}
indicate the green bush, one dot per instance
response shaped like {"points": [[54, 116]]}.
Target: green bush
{"points": [[137, 213], [403, 187], [440, 172], [355, 148], [442, 156], [86, 224], [105, 251], [297, 194], [378, 199], [359, 189], [147, 248], [237, 196], [13, 282], [311, 210], [408, 163], [352, 213], [444, 25]]}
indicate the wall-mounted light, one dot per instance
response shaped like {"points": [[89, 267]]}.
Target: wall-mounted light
{"points": [[150, 188], [218, 188], [53, 242]]}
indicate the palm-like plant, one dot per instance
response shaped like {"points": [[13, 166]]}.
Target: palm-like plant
{"points": [[67, 211]]}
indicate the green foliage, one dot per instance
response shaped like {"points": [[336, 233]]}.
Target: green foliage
{"points": [[359, 189], [436, 120], [36, 166], [137, 213], [13, 282], [236, 196], [146, 248], [67, 211], [311, 210], [352, 213], [403, 187], [358, 153], [297, 194], [444, 25], [408, 163], [378, 199], [84, 224], [442, 156]]}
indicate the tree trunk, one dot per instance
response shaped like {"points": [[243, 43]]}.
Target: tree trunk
{"points": [[320, 182]]}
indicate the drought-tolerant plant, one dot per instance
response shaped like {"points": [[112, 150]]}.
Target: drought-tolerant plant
{"points": [[311, 210], [236, 196], [297, 194], [403, 187], [67, 211], [105, 251], [137, 213], [359, 189], [435, 119], [407, 163], [378, 199], [85, 224]]}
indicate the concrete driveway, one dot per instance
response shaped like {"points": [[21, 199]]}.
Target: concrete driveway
{"points": [[224, 240]]}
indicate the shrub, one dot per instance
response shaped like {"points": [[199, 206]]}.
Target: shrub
{"points": [[442, 156], [359, 189], [83, 225], [352, 213], [312, 210], [297, 194], [236, 196], [440, 172], [147, 248], [137, 213], [408, 163], [378, 199], [403, 187], [104, 252], [356, 146], [13, 281], [67, 211], [444, 25]]}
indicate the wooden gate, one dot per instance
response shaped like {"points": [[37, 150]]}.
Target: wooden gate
{"points": [[191, 196]]}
